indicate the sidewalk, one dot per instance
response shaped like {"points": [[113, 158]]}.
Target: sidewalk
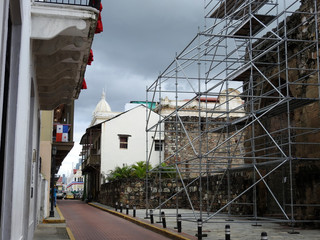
{"points": [[53, 228], [215, 230]]}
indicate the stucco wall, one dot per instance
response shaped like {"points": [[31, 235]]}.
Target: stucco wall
{"points": [[131, 123]]}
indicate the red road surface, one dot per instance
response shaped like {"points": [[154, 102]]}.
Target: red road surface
{"points": [[87, 222]]}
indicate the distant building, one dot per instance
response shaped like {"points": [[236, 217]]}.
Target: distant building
{"points": [[191, 122], [188, 107], [75, 181], [102, 111], [59, 185]]}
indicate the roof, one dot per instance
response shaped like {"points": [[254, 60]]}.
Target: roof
{"points": [[98, 126]]}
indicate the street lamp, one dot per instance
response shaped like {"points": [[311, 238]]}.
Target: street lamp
{"points": [[53, 167]]}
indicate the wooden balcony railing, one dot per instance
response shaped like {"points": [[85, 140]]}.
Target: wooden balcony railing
{"points": [[91, 161]]}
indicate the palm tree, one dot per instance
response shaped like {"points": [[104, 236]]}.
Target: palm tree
{"points": [[120, 172], [140, 169]]}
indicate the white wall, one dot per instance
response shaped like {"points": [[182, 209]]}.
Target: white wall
{"points": [[131, 123], [19, 206]]}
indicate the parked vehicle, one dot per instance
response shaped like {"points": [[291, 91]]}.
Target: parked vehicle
{"points": [[69, 195], [60, 194], [77, 194]]}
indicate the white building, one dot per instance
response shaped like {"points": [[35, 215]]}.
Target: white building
{"points": [[44, 50], [115, 142], [123, 139], [233, 105]]}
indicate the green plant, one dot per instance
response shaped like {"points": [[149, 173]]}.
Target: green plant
{"points": [[140, 169], [167, 171], [120, 173]]}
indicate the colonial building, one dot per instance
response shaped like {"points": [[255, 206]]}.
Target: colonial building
{"points": [[188, 128], [117, 141], [45, 48]]}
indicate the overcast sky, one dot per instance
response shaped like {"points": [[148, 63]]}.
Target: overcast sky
{"points": [[139, 40]]}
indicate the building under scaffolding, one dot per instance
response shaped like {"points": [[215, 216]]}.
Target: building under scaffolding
{"points": [[265, 53]]}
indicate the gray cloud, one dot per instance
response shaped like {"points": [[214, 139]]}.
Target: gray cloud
{"points": [[139, 40]]}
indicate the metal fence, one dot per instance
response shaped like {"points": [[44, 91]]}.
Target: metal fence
{"points": [[92, 3]]}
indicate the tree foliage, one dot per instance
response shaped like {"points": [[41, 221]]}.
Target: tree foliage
{"points": [[166, 171], [137, 170], [140, 169]]}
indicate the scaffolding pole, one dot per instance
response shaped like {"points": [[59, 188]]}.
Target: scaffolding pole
{"points": [[239, 101]]}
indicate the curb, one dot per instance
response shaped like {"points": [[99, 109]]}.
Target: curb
{"points": [[151, 227], [61, 220], [70, 234]]}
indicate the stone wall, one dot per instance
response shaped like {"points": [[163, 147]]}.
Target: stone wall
{"points": [[295, 75], [306, 190], [132, 192], [179, 149]]}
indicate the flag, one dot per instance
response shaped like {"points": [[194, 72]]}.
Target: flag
{"points": [[84, 84], [62, 133]]}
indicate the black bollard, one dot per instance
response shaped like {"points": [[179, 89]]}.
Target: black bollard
{"points": [[264, 236], [116, 206], [127, 209], [121, 207], [179, 223], [151, 216], [199, 229], [163, 216], [134, 211], [227, 230]]}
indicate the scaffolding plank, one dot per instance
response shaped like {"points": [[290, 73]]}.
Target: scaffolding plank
{"points": [[236, 8], [294, 103], [244, 29], [239, 123]]}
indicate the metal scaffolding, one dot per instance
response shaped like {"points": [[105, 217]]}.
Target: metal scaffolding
{"points": [[243, 94]]}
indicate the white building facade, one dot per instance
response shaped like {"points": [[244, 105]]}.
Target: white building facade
{"points": [[124, 139]]}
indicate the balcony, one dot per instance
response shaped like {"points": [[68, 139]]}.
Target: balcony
{"points": [[92, 162], [91, 157], [61, 36], [62, 131]]}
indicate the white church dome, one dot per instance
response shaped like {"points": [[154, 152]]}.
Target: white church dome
{"points": [[102, 111], [102, 105]]}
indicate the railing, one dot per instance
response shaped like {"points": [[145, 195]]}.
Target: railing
{"points": [[92, 3], [92, 160]]}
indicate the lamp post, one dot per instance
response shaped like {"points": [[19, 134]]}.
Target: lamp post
{"points": [[53, 167]]}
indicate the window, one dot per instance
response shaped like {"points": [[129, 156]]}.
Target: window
{"points": [[158, 145], [123, 141]]}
